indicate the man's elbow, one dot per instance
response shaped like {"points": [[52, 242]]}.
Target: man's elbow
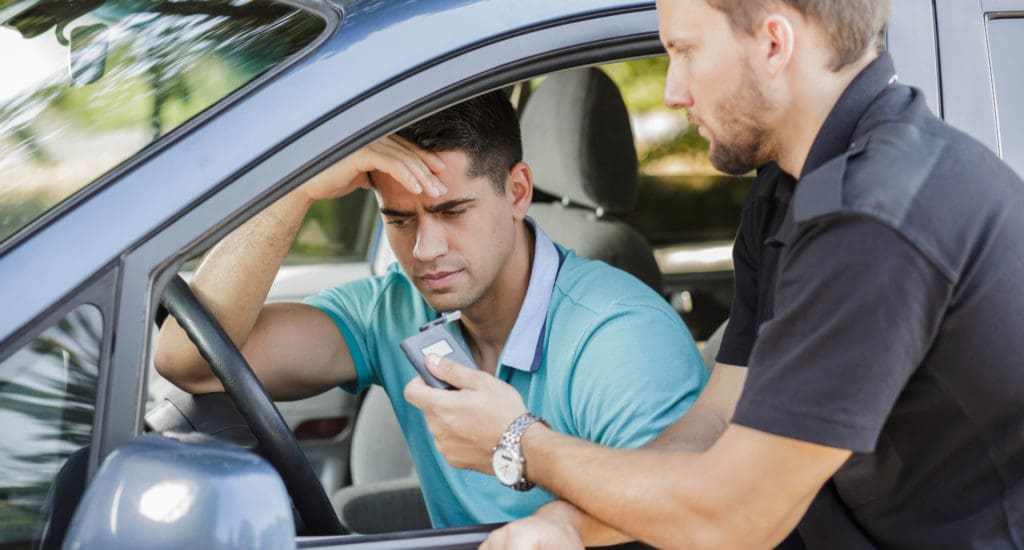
{"points": [[173, 361]]}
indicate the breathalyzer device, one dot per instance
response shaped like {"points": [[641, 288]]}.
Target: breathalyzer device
{"points": [[434, 337]]}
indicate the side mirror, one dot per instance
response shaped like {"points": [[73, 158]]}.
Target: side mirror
{"points": [[180, 492], [87, 54]]}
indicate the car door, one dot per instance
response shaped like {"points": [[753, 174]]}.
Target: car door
{"points": [[979, 59]]}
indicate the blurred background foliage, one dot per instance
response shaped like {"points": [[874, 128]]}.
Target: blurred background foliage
{"points": [[682, 198]]}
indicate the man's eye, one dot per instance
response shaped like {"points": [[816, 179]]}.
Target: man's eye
{"points": [[454, 213], [399, 222]]}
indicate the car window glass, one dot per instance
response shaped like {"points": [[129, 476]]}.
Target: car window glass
{"points": [[682, 198], [687, 210], [336, 230], [47, 402], [87, 85], [1006, 41]]}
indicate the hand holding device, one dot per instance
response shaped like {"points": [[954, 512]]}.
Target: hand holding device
{"points": [[434, 337]]}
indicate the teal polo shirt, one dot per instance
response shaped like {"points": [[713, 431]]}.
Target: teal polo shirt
{"points": [[594, 351]]}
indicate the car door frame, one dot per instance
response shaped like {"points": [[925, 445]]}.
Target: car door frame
{"points": [[964, 41]]}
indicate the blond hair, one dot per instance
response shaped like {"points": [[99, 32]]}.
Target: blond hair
{"points": [[851, 26]]}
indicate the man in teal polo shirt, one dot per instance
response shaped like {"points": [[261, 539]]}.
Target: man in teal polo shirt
{"points": [[561, 329]]}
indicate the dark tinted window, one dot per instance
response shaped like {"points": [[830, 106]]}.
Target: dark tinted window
{"points": [[47, 402], [1006, 42]]}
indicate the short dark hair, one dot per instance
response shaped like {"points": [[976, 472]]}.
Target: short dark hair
{"points": [[852, 26], [485, 127]]}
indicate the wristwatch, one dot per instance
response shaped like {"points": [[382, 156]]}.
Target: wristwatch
{"points": [[507, 460]]}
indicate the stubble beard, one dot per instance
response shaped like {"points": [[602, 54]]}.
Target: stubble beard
{"points": [[451, 301], [745, 143]]}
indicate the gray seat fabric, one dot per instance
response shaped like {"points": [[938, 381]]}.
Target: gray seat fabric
{"points": [[385, 495], [382, 454], [382, 507], [710, 349], [578, 143]]}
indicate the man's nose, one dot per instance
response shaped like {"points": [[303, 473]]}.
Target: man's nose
{"points": [[677, 89], [431, 240]]}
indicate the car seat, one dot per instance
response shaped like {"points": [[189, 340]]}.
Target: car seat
{"points": [[579, 145], [709, 350], [385, 494]]}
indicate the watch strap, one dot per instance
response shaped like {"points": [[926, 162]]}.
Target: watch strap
{"points": [[511, 440]]}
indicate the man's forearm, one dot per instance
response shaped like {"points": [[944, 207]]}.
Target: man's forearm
{"points": [[232, 282], [709, 416], [569, 467], [695, 432], [614, 489]]}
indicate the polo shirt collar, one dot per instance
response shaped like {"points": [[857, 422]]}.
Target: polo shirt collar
{"points": [[525, 345], [837, 131], [835, 138]]}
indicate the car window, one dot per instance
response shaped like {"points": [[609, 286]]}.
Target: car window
{"points": [[87, 85], [686, 209], [1006, 41], [336, 231], [682, 198], [47, 402]]}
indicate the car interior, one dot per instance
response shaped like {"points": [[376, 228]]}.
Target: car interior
{"points": [[579, 143]]}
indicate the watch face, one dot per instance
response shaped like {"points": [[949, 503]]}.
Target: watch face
{"points": [[507, 467]]}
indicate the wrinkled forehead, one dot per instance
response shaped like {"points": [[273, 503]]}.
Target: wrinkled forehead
{"points": [[456, 168], [456, 176]]}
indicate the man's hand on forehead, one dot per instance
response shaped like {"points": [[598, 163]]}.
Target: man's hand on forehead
{"points": [[413, 168]]}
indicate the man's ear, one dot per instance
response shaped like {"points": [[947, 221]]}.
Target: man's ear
{"points": [[777, 42], [520, 186]]}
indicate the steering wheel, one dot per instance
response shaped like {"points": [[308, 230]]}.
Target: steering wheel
{"points": [[276, 439]]}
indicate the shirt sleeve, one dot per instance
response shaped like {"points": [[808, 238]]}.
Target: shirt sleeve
{"points": [[636, 373], [857, 307]]}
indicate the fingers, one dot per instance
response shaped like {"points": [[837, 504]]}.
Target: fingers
{"points": [[432, 161], [412, 167], [460, 376], [495, 540], [418, 393]]}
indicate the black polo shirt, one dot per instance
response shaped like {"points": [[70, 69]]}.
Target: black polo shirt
{"points": [[755, 262], [897, 328]]}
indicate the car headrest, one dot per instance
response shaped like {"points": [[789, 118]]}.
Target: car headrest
{"points": [[577, 140]]}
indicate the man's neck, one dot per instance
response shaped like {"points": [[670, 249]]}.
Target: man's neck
{"points": [[487, 323], [811, 106]]}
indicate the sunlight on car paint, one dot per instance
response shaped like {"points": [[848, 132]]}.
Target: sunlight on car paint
{"points": [[167, 501]]}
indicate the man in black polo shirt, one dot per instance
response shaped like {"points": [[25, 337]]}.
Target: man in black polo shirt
{"points": [[884, 403]]}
